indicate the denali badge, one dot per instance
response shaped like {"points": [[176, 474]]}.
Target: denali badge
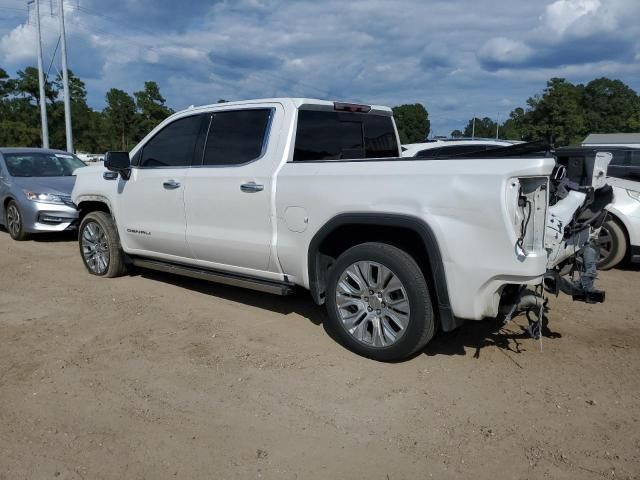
{"points": [[140, 232]]}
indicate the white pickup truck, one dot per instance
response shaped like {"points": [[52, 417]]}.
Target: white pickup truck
{"points": [[282, 193]]}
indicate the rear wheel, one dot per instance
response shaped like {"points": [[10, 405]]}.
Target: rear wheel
{"points": [[100, 246], [15, 222], [613, 245], [378, 302]]}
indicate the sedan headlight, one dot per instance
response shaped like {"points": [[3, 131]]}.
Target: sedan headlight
{"points": [[44, 197], [633, 194]]}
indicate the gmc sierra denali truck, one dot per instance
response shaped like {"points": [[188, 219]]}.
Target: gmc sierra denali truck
{"points": [[282, 193]]}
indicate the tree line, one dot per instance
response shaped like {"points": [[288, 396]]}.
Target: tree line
{"points": [[562, 114], [565, 113], [119, 126]]}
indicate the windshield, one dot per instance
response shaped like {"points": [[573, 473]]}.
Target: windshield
{"points": [[38, 164]]}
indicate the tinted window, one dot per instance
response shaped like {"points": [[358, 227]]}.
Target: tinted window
{"points": [[323, 135], [635, 159], [236, 137], [174, 145], [37, 164], [618, 157]]}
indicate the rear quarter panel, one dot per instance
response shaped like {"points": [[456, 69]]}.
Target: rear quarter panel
{"points": [[463, 201]]}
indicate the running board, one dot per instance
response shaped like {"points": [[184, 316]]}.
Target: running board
{"points": [[268, 286]]}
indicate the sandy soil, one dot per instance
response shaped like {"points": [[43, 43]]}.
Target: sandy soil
{"points": [[155, 376]]}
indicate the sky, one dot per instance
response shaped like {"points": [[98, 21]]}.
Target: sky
{"points": [[455, 57]]}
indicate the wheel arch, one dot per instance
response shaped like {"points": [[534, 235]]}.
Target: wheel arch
{"points": [[407, 232], [93, 203]]}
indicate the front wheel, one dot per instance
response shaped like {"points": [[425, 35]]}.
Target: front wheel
{"points": [[378, 302], [100, 245], [14, 222]]}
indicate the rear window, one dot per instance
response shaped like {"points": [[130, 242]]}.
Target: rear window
{"points": [[323, 135]]}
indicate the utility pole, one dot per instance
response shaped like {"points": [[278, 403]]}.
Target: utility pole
{"points": [[43, 100], [65, 80], [473, 127], [497, 125]]}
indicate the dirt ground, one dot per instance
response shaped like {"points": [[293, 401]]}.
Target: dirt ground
{"points": [[155, 376]]}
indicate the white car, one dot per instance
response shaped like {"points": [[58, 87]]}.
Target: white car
{"points": [[282, 193], [620, 236], [452, 147]]}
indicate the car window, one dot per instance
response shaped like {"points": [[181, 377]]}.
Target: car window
{"points": [[618, 158], [236, 137], [634, 159], [324, 135], [174, 145], [40, 164]]}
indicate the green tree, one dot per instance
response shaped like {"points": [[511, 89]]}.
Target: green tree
{"points": [[484, 128], [86, 133], [6, 84], [610, 106], [151, 105], [457, 134], [412, 122], [514, 128], [27, 85], [558, 114], [120, 119]]}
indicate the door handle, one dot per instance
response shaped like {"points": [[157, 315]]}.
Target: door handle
{"points": [[251, 187], [171, 184]]}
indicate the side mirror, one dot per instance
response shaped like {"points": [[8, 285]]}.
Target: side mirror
{"points": [[118, 162]]}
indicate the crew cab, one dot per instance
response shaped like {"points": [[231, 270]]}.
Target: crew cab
{"points": [[279, 194]]}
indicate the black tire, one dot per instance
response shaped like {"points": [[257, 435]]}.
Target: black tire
{"points": [[421, 323], [115, 264], [16, 231], [613, 245]]}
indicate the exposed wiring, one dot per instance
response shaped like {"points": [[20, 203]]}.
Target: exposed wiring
{"points": [[523, 227]]}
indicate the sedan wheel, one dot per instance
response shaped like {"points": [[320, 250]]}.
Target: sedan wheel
{"points": [[14, 223]]}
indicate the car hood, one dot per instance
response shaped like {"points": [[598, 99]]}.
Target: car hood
{"points": [[56, 185]]}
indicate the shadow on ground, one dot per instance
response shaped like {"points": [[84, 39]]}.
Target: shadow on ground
{"points": [[472, 334], [66, 236], [487, 333]]}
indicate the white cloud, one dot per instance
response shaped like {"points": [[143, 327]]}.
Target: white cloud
{"points": [[562, 14], [501, 49]]}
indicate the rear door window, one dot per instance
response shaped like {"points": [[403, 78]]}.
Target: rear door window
{"points": [[237, 137], [324, 135]]}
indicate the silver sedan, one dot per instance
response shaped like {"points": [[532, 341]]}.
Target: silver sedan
{"points": [[35, 191]]}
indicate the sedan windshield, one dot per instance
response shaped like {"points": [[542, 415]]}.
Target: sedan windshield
{"points": [[38, 164]]}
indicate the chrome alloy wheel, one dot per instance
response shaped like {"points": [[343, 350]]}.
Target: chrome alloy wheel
{"points": [[95, 248], [13, 220], [373, 304]]}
